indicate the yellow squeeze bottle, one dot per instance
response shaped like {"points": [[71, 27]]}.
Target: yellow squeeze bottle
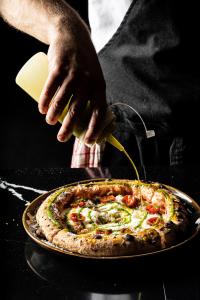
{"points": [[31, 78]]}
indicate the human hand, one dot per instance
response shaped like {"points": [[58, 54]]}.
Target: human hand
{"points": [[73, 69]]}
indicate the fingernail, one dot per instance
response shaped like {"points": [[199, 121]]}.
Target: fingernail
{"points": [[63, 138], [89, 142], [43, 110], [51, 121]]}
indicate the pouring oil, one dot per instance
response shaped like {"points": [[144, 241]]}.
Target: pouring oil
{"points": [[31, 78], [113, 141]]}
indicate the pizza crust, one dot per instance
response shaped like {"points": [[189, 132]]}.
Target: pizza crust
{"points": [[49, 229], [107, 246], [91, 244]]}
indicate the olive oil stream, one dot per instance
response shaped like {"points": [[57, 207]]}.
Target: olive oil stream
{"points": [[113, 141], [32, 77]]}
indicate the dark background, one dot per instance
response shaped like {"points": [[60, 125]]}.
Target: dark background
{"points": [[26, 139]]}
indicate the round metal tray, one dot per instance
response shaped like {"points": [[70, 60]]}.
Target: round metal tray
{"points": [[192, 207]]}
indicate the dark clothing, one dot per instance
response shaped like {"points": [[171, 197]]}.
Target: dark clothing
{"points": [[152, 63]]}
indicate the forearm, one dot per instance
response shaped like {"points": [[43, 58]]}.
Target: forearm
{"points": [[73, 66], [41, 19]]}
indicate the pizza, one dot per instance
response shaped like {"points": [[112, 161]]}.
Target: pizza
{"points": [[113, 218]]}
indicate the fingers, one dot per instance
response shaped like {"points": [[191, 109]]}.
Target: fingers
{"points": [[83, 92], [75, 113], [72, 72], [51, 85], [60, 100], [97, 119]]}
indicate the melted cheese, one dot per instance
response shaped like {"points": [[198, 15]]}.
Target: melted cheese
{"points": [[137, 218]]}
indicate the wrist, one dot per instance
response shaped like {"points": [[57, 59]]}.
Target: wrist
{"points": [[67, 23]]}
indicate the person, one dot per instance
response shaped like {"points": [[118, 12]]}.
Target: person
{"points": [[139, 53]]}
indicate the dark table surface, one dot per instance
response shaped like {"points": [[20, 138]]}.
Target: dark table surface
{"points": [[31, 272]]}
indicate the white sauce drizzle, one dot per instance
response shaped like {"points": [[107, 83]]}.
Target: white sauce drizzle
{"points": [[12, 188]]}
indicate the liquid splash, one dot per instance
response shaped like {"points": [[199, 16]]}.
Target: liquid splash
{"points": [[14, 189]]}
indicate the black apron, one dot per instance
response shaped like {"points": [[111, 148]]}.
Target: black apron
{"points": [[152, 63]]}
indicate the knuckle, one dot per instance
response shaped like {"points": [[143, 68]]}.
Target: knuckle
{"points": [[56, 70], [45, 93], [56, 105], [79, 74], [73, 110], [73, 74]]}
